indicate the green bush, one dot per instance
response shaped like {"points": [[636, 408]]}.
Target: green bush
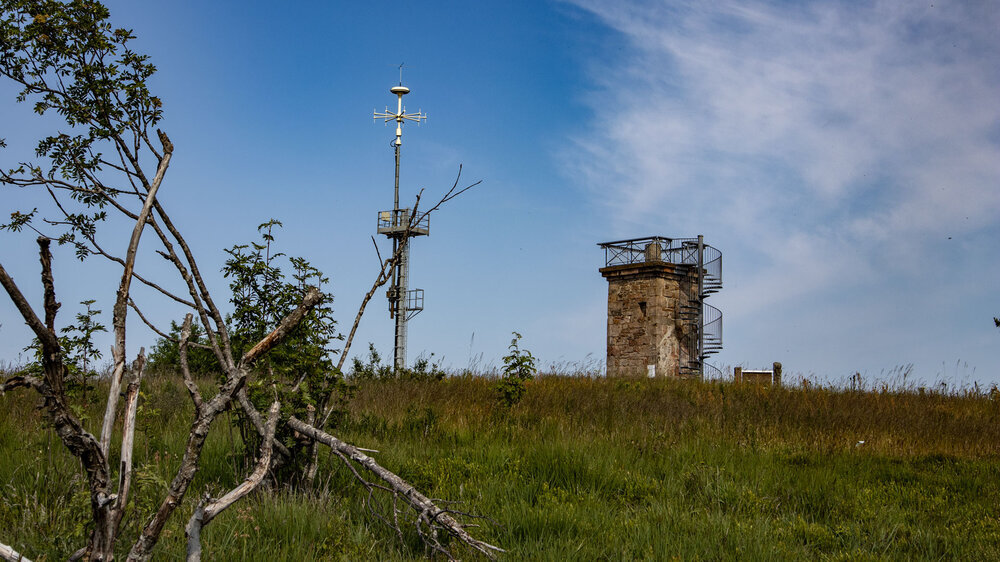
{"points": [[518, 368], [300, 371]]}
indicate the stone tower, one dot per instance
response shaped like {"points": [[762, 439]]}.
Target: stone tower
{"points": [[658, 323]]}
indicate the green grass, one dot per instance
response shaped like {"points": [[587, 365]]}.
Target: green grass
{"points": [[581, 469]]}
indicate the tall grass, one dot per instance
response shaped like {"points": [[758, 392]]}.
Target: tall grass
{"points": [[583, 468]]}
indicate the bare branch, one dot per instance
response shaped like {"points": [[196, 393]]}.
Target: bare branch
{"points": [[159, 332], [128, 438], [182, 351], [383, 276], [378, 254], [51, 350], [208, 509], [101, 251], [46, 337], [51, 306], [77, 440], [121, 301], [199, 292], [312, 298], [18, 381], [448, 196], [312, 467], [219, 346], [258, 421], [10, 555]]}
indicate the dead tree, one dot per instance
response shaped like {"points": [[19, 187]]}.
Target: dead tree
{"points": [[68, 59]]}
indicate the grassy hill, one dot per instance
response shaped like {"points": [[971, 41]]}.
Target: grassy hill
{"points": [[581, 469]]}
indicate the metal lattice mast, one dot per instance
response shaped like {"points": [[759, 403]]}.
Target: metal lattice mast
{"points": [[399, 226]]}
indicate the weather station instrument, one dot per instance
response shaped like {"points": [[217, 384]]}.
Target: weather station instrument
{"points": [[399, 225]]}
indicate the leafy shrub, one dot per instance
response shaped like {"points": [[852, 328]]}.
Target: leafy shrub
{"points": [[300, 370], [518, 367]]}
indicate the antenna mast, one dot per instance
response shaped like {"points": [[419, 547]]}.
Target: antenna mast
{"points": [[399, 225]]}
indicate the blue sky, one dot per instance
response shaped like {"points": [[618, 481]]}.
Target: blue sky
{"points": [[844, 157]]}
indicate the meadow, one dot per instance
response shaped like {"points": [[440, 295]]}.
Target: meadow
{"points": [[583, 468]]}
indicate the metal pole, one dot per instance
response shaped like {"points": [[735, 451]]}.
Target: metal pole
{"points": [[398, 274], [394, 294], [399, 360], [397, 230], [399, 347], [395, 197], [701, 305]]}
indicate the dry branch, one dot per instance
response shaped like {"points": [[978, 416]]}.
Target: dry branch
{"points": [[312, 298], [30, 318], [121, 301], [205, 415], [10, 555], [128, 438], [208, 509], [158, 331], [74, 437], [18, 381], [258, 421], [428, 513], [185, 370]]}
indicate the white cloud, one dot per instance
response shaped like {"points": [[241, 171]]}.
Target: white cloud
{"points": [[816, 139]]}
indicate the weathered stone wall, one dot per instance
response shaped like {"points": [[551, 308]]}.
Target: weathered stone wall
{"points": [[645, 324]]}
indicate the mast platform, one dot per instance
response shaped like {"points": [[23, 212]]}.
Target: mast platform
{"points": [[395, 223]]}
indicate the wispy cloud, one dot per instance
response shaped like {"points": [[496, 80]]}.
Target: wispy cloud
{"points": [[812, 142], [840, 123]]}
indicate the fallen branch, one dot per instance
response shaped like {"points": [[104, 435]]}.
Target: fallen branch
{"points": [[429, 514], [10, 555]]}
